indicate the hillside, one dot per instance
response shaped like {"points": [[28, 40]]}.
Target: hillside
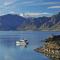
{"points": [[18, 23], [51, 47]]}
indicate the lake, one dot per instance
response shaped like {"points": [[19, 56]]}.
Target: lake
{"points": [[9, 50]]}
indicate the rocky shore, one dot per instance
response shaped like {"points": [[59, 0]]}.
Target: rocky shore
{"points": [[51, 47]]}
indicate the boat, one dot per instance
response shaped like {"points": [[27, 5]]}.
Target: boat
{"points": [[21, 42]]}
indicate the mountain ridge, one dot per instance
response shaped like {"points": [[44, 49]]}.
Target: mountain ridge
{"points": [[15, 22]]}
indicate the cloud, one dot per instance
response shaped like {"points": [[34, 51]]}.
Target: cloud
{"points": [[43, 3], [52, 7], [12, 12], [25, 3], [17, 3], [9, 2], [34, 14], [28, 3], [45, 13]]}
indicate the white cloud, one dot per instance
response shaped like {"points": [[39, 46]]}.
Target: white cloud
{"points": [[45, 13], [9, 2], [43, 3], [25, 3], [21, 14], [51, 7], [28, 3], [34, 14], [16, 2], [12, 12]]}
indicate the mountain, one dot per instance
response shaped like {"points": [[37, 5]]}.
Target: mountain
{"points": [[15, 22], [10, 22], [53, 23]]}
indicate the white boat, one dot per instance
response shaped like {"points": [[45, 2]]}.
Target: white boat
{"points": [[21, 43]]}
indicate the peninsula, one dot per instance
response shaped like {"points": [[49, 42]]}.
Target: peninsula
{"points": [[51, 47]]}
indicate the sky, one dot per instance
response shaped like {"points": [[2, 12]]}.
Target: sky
{"points": [[32, 7]]}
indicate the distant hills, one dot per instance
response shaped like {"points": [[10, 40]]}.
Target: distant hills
{"points": [[12, 22]]}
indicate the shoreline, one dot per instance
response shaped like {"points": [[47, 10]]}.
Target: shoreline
{"points": [[51, 48]]}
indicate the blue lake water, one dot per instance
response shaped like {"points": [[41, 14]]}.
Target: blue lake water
{"points": [[9, 50]]}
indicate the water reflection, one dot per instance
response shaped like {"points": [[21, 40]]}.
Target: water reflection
{"points": [[22, 46], [8, 43]]}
